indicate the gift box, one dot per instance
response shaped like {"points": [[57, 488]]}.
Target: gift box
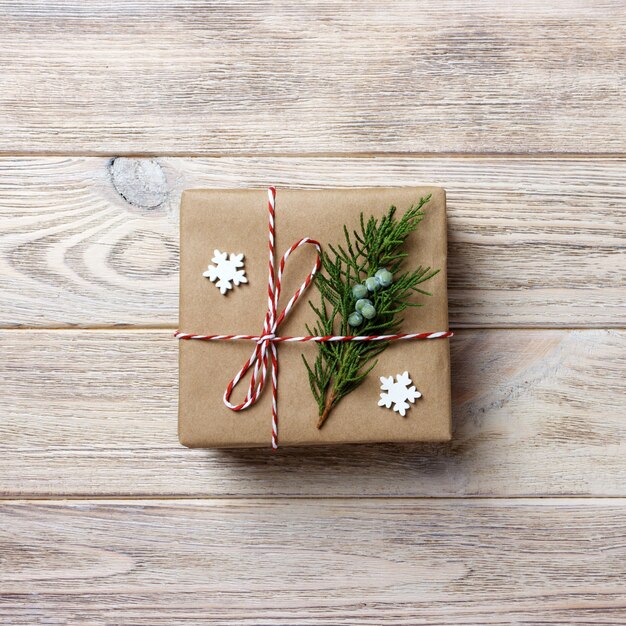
{"points": [[228, 304]]}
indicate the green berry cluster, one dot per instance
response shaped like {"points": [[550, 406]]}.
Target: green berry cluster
{"points": [[364, 308]]}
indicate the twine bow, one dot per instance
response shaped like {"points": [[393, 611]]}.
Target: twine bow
{"points": [[265, 351]]}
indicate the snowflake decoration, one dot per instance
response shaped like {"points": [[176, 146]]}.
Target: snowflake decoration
{"points": [[398, 393], [226, 270]]}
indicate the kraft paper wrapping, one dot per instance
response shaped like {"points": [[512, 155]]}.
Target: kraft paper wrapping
{"points": [[236, 221]]}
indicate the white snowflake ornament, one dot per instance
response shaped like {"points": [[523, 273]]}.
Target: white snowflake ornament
{"points": [[398, 393], [226, 270]]}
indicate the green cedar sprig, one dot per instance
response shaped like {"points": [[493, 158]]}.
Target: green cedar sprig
{"points": [[341, 367]]}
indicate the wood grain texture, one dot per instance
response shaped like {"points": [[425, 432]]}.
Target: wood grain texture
{"points": [[94, 413], [218, 77], [532, 242], [311, 562]]}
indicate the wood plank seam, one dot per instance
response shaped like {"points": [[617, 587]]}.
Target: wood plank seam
{"points": [[595, 156]]}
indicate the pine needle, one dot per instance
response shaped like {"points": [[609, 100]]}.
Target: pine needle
{"points": [[341, 367]]}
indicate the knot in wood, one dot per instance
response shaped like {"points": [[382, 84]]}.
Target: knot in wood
{"points": [[141, 182]]}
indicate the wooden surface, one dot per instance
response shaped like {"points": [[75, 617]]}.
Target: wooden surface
{"points": [[324, 77], [109, 110], [364, 561], [93, 413], [533, 242]]}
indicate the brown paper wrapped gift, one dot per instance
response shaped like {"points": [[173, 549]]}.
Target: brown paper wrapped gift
{"points": [[236, 221]]}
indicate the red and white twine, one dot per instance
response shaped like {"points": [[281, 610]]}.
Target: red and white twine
{"points": [[265, 350]]}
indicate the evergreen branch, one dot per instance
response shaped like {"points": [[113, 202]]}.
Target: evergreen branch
{"points": [[341, 367]]}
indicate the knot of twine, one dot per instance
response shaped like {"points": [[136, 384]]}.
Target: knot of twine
{"points": [[265, 351]]}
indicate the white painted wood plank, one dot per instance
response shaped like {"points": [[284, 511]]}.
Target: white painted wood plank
{"points": [[94, 413], [313, 562], [218, 77], [533, 242]]}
